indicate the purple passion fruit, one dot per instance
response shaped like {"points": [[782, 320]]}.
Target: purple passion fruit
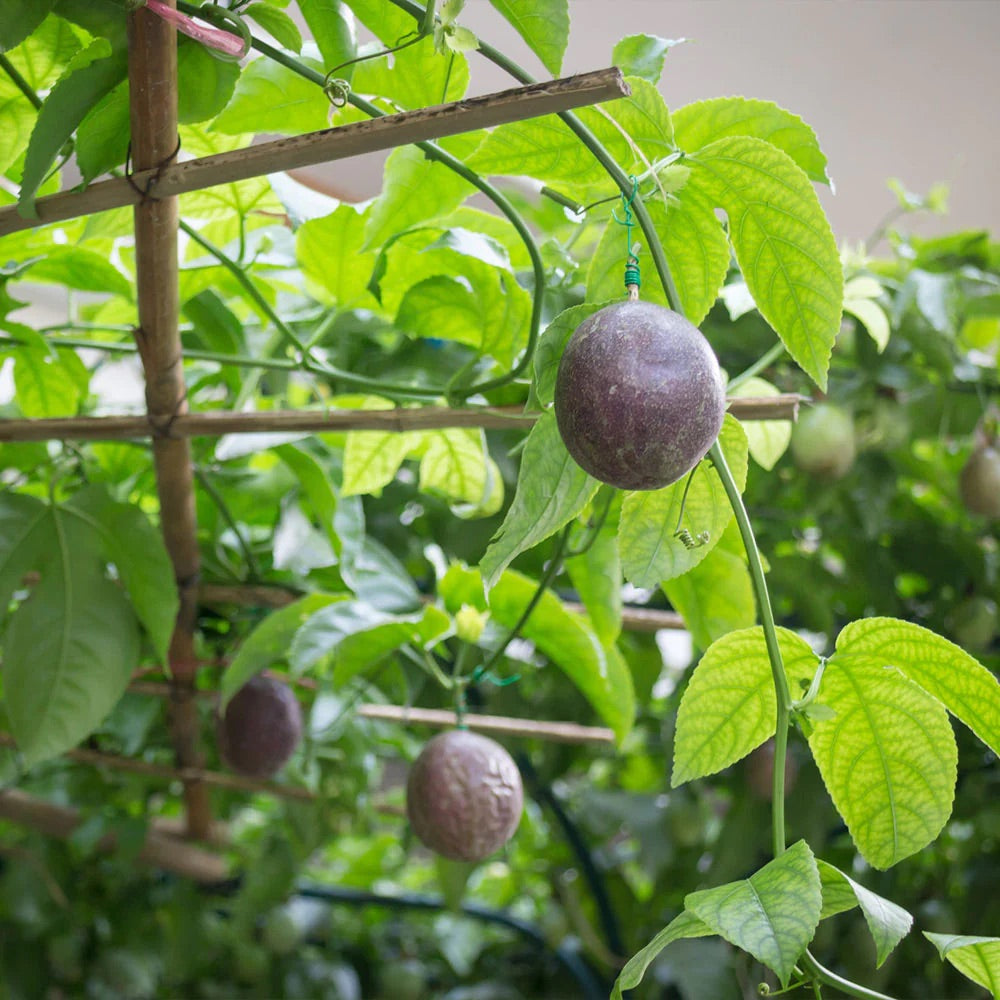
{"points": [[261, 727]]}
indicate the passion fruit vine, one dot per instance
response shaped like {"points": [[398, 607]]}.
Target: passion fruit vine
{"points": [[464, 796], [261, 727], [639, 397]]}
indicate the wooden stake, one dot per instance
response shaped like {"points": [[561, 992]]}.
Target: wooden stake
{"points": [[325, 146], [153, 112], [215, 423], [158, 851]]}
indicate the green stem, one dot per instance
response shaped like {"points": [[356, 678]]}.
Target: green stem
{"points": [[764, 361], [434, 152], [783, 695], [19, 81], [551, 572], [828, 978]]}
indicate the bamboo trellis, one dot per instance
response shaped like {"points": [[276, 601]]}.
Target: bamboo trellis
{"points": [[152, 190]]}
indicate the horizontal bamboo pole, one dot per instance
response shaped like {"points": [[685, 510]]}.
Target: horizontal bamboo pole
{"points": [[215, 423], [327, 145], [255, 595], [554, 732], [159, 850]]}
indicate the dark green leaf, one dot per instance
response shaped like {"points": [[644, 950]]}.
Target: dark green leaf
{"points": [[25, 527], [102, 139], [19, 18], [205, 84]]}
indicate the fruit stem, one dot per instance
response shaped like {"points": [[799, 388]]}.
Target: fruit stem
{"points": [[782, 693], [765, 360]]}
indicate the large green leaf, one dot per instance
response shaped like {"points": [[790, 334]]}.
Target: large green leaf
{"points": [[329, 252], [551, 490], [24, 536], [92, 74], [963, 685], [70, 648], [332, 28], [372, 459], [772, 915], [698, 124], [888, 923], [455, 464], [729, 707], [19, 18], [782, 240], [276, 23], [269, 643], [414, 77], [205, 84], [887, 756], [102, 140], [316, 488], [17, 118], [79, 268], [45, 387], [977, 958], [684, 925], [551, 345], [642, 55], [270, 97], [596, 573], [415, 189], [44, 54], [651, 551], [543, 24], [351, 636], [136, 548], [716, 596], [385, 21]]}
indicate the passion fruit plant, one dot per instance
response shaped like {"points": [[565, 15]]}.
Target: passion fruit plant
{"points": [[396, 547]]}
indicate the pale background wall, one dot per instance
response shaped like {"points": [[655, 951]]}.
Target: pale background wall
{"points": [[905, 88]]}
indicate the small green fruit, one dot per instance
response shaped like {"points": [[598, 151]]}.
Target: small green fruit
{"points": [[639, 397], [974, 623], [282, 933], [464, 796], [823, 441], [979, 482]]}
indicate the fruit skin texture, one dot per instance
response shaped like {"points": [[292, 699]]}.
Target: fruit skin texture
{"points": [[464, 796], [261, 727], [823, 441], [639, 397], [979, 482]]}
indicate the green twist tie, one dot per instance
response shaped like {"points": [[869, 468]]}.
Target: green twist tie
{"points": [[632, 273]]}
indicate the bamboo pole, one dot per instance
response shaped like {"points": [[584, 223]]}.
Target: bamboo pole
{"points": [[152, 71], [216, 423], [158, 851], [326, 145]]}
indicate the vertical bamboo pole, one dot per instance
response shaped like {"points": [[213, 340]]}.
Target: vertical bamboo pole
{"points": [[153, 112]]}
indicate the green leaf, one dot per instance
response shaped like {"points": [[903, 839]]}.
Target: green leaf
{"points": [[551, 345], [454, 464], [888, 923], [684, 925], [336, 276], [415, 189], [44, 387], [729, 707], [414, 77], [25, 529], [92, 74], [551, 490], [19, 18], [716, 596], [353, 636], [277, 24], [332, 28], [703, 122], [270, 97], [570, 643], [772, 915], [70, 648], [17, 118], [102, 139], [643, 55], [76, 267], [782, 240], [137, 549], [767, 440], [492, 315], [650, 550], [636, 131], [694, 244], [597, 576], [269, 642], [543, 24], [372, 459], [205, 84], [45, 53], [977, 958], [887, 757], [946, 671]]}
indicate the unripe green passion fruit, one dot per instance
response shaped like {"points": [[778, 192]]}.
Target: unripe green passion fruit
{"points": [[823, 441], [639, 397], [979, 482]]}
